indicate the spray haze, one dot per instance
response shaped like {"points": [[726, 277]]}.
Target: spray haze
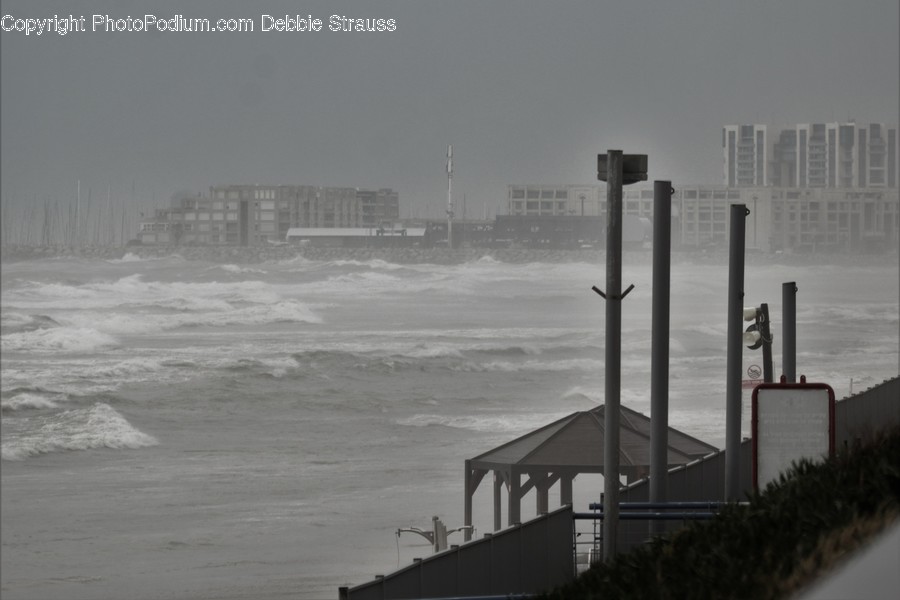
{"points": [[527, 92]]}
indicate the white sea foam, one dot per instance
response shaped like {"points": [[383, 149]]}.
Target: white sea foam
{"points": [[536, 366], [129, 257], [27, 400], [213, 314], [239, 269], [375, 263], [501, 423], [276, 366], [432, 351], [14, 319], [59, 339], [99, 426], [131, 369], [133, 291]]}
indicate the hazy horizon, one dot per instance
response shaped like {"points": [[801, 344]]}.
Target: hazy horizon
{"points": [[527, 92]]}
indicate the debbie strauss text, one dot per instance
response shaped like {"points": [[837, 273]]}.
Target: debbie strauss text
{"points": [[335, 23]]}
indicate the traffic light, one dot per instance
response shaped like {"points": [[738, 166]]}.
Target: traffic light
{"points": [[752, 336], [758, 334]]}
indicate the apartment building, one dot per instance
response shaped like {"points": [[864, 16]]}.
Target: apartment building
{"points": [[745, 153], [248, 215], [554, 200], [812, 155], [788, 219]]}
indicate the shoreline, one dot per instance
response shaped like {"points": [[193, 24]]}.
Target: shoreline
{"points": [[442, 256]]}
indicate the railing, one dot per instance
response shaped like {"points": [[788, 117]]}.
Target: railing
{"points": [[591, 549]]}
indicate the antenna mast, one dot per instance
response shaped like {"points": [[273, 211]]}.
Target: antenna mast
{"points": [[450, 196]]}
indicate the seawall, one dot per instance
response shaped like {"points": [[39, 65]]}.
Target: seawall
{"points": [[261, 254]]}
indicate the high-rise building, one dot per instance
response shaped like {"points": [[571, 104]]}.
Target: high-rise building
{"points": [[812, 155], [745, 151]]}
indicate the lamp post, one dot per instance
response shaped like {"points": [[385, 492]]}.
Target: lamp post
{"points": [[616, 170], [733, 367]]}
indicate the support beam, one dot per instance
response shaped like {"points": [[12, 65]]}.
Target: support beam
{"points": [[472, 481], [514, 510], [498, 504], [565, 489], [542, 485]]}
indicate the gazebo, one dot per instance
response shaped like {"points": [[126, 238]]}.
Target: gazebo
{"points": [[565, 448]]}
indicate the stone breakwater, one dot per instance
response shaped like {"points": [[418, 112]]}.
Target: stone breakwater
{"points": [[261, 254], [441, 256]]}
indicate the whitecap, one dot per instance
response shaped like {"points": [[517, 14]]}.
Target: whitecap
{"points": [[27, 400], [239, 269], [99, 426], [499, 422], [129, 257], [59, 339]]}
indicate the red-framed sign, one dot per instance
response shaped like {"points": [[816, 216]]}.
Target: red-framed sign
{"points": [[790, 421]]}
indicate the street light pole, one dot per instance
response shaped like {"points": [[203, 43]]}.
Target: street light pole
{"points": [[612, 169], [733, 367]]}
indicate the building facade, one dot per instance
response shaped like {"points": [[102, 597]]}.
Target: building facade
{"points": [[812, 155], [745, 153], [554, 200], [788, 219], [247, 215]]}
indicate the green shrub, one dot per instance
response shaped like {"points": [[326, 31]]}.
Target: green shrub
{"points": [[792, 531]]}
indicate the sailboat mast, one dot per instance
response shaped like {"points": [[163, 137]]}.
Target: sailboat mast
{"points": [[450, 196]]}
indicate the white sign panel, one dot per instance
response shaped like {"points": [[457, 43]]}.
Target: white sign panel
{"points": [[790, 422]]}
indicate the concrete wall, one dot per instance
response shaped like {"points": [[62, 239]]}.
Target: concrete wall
{"points": [[525, 559]]}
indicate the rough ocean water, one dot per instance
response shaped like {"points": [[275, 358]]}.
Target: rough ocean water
{"points": [[184, 429]]}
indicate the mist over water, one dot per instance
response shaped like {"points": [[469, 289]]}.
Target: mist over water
{"points": [[185, 429]]}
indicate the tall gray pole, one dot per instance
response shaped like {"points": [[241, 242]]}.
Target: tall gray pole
{"points": [[789, 331], [659, 361], [734, 367], [613, 352], [766, 332], [450, 197]]}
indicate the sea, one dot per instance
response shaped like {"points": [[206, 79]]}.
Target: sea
{"points": [[188, 429]]}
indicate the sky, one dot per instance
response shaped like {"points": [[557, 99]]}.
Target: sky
{"points": [[526, 91]]}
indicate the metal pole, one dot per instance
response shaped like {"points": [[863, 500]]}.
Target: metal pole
{"points": [[467, 507], [789, 331], [449, 196], [766, 332], [659, 361], [733, 396], [613, 351]]}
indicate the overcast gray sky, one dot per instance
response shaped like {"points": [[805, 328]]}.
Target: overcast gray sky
{"points": [[526, 91]]}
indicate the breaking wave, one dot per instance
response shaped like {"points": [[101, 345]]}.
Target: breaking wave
{"points": [[59, 339], [99, 426]]}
